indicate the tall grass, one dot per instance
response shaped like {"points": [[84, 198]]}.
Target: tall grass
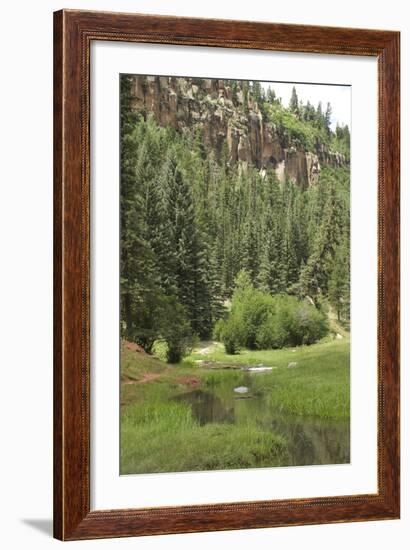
{"points": [[216, 377], [161, 434], [159, 437], [318, 386]]}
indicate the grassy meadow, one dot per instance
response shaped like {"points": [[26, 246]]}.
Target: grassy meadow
{"points": [[234, 276], [161, 433]]}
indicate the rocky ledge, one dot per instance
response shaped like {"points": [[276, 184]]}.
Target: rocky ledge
{"points": [[225, 117]]}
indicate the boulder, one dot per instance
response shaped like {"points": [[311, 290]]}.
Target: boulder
{"points": [[241, 389]]}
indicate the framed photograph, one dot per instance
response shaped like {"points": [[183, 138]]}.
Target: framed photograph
{"points": [[226, 275]]}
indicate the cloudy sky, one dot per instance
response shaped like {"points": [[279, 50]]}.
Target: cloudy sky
{"points": [[338, 96]]}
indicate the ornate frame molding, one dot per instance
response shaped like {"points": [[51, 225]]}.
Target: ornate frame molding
{"points": [[73, 33]]}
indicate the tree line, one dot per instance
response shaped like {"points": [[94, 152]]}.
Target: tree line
{"points": [[190, 223]]}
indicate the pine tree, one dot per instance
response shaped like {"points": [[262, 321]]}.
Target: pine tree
{"points": [[309, 112], [339, 282], [187, 261], [314, 276], [257, 91], [138, 290], [328, 117], [250, 259], [294, 102], [234, 87], [217, 308], [245, 91], [190, 223], [270, 95], [319, 119], [271, 277]]}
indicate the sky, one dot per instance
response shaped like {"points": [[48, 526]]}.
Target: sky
{"points": [[338, 96]]}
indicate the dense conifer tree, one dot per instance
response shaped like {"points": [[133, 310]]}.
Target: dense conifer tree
{"points": [[294, 101], [191, 221]]}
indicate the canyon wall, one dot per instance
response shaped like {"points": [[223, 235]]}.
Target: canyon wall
{"points": [[229, 116]]}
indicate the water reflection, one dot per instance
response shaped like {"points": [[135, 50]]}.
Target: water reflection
{"points": [[310, 440], [208, 407]]}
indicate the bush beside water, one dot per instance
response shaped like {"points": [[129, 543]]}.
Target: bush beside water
{"points": [[258, 320]]}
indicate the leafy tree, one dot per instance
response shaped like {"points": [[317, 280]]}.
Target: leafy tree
{"points": [[260, 320]]}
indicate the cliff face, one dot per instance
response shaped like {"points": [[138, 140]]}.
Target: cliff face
{"points": [[224, 116]]}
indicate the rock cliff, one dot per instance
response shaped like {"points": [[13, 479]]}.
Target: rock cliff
{"points": [[230, 116]]}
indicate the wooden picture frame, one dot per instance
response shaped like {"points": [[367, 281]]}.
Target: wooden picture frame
{"points": [[73, 33]]}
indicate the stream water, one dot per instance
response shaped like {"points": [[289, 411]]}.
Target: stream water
{"points": [[310, 440]]}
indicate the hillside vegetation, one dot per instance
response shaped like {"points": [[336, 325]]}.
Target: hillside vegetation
{"points": [[192, 222]]}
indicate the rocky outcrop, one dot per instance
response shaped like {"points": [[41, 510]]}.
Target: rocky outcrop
{"points": [[228, 116]]}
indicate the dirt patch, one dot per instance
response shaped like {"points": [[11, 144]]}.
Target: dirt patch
{"points": [[189, 381], [132, 346], [147, 377]]}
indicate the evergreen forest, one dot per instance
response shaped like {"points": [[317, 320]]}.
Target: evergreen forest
{"points": [[209, 250]]}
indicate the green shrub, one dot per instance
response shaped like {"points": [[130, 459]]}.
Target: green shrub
{"points": [[310, 325], [293, 323], [176, 330], [250, 308], [304, 133], [252, 313], [230, 333], [218, 329], [272, 334], [231, 345], [260, 320]]}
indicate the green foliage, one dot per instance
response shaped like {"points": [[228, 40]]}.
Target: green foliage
{"points": [[249, 306], [260, 320], [291, 323], [159, 432], [228, 331], [164, 437], [339, 282], [330, 226], [272, 334], [328, 117], [318, 386], [296, 126], [163, 251], [190, 223], [341, 141], [258, 92], [175, 330], [294, 102], [306, 126]]}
